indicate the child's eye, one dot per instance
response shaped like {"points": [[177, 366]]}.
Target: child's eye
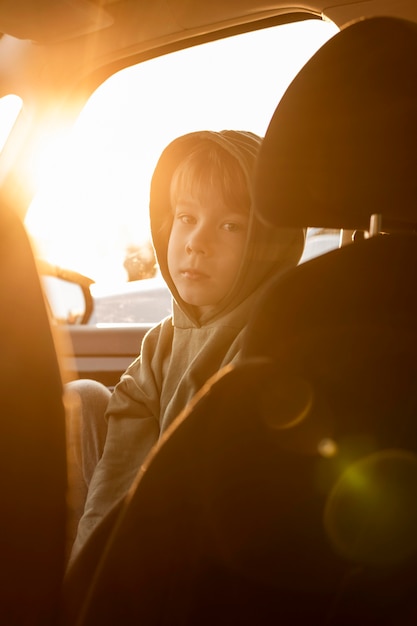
{"points": [[233, 227], [185, 218]]}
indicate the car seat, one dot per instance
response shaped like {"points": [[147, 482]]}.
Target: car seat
{"points": [[32, 441], [285, 493]]}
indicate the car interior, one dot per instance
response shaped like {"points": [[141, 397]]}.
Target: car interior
{"points": [[296, 499], [285, 492]]}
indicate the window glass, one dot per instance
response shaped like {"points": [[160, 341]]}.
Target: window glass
{"points": [[91, 213]]}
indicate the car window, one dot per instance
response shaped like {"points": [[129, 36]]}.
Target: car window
{"points": [[91, 211]]}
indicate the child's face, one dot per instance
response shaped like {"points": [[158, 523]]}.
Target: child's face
{"points": [[205, 249]]}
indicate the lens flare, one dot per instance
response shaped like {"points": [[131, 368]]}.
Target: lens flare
{"points": [[286, 401], [371, 513], [327, 448]]}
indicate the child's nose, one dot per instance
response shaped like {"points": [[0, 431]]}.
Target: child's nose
{"points": [[198, 242]]}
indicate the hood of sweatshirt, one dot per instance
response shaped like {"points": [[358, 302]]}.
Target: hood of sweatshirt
{"points": [[268, 250]]}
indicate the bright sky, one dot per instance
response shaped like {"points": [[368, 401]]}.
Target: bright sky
{"points": [[93, 199]]}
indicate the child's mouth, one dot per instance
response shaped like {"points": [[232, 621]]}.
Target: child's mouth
{"points": [[191, 274]]}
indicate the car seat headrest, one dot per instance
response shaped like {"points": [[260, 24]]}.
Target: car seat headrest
{"points": [[341, 144]]}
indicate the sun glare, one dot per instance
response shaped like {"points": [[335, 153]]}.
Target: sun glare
{"points": [[10, 107], [93, 196]]}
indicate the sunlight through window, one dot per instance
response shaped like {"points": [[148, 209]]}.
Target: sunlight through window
{"points": [[94, 206]]}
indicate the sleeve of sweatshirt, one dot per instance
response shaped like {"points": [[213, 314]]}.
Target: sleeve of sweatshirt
{"points": [[133, 429]]}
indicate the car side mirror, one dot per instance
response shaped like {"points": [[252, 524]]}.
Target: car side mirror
{"points": [[67, 294]]}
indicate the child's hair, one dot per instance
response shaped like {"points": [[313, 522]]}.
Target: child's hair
{"points": [[210, 167]]}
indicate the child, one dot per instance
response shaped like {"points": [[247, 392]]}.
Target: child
{"points": [[215, 257]]}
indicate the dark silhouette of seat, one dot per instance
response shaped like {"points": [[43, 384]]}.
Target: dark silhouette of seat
{"points": [[286, 492], [32, 441]]}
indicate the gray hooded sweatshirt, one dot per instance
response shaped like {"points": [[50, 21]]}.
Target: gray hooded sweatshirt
{"points": [[183, 351]]}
